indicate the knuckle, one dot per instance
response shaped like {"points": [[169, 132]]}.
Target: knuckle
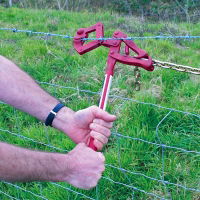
{"points": [[105, 140], [84, 186], [110, 124], [89, 186], [103, 123], [101, 156], [97, 121], [102, 169], [94, 107], [99, 146], [98, 176], [108, 132], [93, 180], [93, 184], [92, 126], [92, 133]]}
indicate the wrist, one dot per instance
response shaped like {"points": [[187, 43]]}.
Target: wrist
{"points": [[63, 119], [42, 109], [52, 114], [58, 171]]}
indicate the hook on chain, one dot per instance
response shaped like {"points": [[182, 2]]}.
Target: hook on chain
{"points": [[137, 76]]}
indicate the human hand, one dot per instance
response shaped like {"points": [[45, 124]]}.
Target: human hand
{"points": [[84, 167], [83, 124]]}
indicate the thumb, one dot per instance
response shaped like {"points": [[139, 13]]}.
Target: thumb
{"points": [[101, 114]]}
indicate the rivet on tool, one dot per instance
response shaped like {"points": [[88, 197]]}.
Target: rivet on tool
{"points": [[80, 31]]}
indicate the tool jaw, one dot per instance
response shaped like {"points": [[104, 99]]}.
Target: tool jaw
{"points": [[142, 59], [83, 33]]}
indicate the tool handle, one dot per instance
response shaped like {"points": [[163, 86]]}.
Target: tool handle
{"points": [[102, 103], [91, 144]]}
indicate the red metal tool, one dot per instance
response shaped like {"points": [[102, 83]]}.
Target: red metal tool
{"points": [[141, 60], [83, 33]]}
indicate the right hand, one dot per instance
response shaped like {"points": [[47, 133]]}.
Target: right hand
{"points": [[83, 124], [85, 167]]}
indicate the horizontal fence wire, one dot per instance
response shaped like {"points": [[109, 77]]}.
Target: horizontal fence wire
{"points": [[24, 190], [32, 140], [71, 190], [134, 188], [157, 144], [7, 195], [14, 30], [118, 97], [152, 178], [120, 135]]}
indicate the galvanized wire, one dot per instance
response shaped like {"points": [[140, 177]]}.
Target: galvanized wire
{"points": [[7, 195], [157, 63], [25, 190], [158, 37]]}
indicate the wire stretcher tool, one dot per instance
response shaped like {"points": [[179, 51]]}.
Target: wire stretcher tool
{"points": [[142, 59]]}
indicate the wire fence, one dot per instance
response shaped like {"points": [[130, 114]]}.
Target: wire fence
{"points": [[104, 38], [118, 135]]}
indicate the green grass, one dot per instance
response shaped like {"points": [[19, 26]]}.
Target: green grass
{"points": [[55, 61]]}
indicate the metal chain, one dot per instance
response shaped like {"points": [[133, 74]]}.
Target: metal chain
{"points": [[137, 78], [180, 68], [165, 65]]}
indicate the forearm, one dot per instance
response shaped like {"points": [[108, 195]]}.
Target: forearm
{"points": [[18, 164], [21, 91]]}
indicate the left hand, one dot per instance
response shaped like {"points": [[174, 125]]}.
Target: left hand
{"points": [[90, 122]]}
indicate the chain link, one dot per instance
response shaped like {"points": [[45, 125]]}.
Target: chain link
{"points": [[165, 65], [180, 68], [137, 78]]}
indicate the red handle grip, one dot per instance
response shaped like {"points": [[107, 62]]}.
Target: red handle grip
{"points": [[103, 102], [91, 144]]}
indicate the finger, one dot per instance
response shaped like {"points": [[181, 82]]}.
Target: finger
{"points": [[103, 123], [94, 181], [99, 136], [101, 114], [101, 156], [98, 145], [101, 129], [102, 168]]}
